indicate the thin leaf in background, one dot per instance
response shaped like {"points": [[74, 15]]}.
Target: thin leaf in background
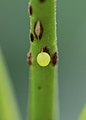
{"points": [[83, 114], [8, 105]]}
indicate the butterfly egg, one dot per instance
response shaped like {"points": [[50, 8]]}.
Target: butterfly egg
{"points": [[43, 59]]}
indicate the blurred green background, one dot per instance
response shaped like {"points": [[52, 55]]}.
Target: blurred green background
{"points": [[71, 31]]}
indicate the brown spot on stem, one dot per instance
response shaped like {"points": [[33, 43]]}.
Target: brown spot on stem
{"points": [[30, 10], [54, 58], [41, 0], [31, 37], [29, 58], [39, 87], [38, 29], [46, 49]]}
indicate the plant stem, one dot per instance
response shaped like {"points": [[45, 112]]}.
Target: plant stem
{"points": [[43, 83]]}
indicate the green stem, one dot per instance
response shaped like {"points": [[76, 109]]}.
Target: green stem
{"points": [[43, 80]]}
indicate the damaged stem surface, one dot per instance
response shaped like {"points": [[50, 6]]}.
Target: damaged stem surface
{"points": [[43, 82]]}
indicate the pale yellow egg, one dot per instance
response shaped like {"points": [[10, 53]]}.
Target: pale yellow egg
{"points": [[43, 59]]}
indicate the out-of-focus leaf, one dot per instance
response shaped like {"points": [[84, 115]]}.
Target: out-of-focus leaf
{"points": [[83, 114], [8, 105]]}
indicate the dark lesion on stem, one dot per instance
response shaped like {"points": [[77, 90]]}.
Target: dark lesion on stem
{"points": [[39, 87], [54, 58], [41, 1], [31, 37], [30, 10], [29, 58], [46, 49], [38, 29]]}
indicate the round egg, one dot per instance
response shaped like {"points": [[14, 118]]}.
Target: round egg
{"points": [[43, 59]]}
